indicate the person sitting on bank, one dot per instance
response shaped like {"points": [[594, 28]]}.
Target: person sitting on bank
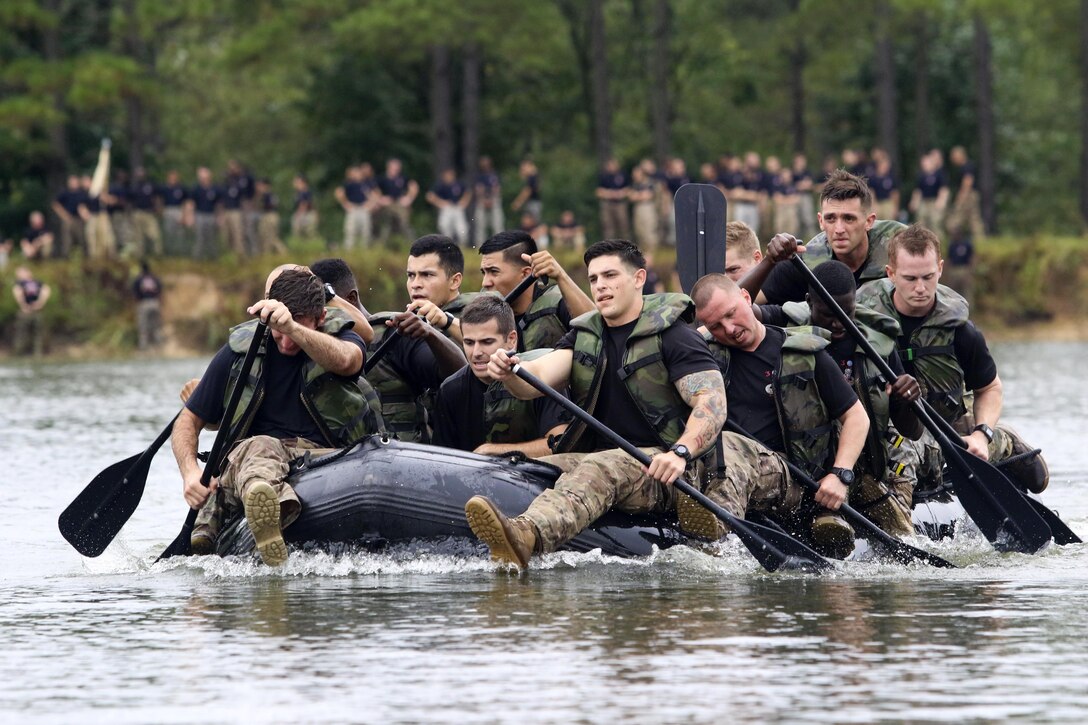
{"points": [[474, 411], [788, 393], [303, 394], [672, 380], [946, 352], [884, 489], [544, 311]]}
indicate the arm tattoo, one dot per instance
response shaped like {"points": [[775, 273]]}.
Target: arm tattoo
{"points": [[705, 393]]}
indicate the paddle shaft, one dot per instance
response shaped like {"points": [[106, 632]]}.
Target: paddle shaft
{"points": [[951, 451], [387, 341], [636, 453], [223, 437]]}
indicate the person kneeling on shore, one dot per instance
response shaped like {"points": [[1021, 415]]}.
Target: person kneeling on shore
{"points": [[303, 394]]}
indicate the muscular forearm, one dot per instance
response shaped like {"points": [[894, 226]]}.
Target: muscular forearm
{"points": [[988, 403], [336, 356], [578, 302], [532, 449], [705, 393], [447, 354], [855, 428], [757, 275], [184, 441], [362, 325], [905, 421]]}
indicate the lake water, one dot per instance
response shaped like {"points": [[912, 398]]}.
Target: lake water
{"points": [[418, 636]]}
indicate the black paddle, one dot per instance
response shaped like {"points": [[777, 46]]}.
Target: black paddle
{"points": [[890, 545], [1062, 533], [990, 499], [700, 232], [773, 549], [182, 546], [99, 512]]}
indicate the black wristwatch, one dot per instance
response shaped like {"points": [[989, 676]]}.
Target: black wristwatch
{"points": [[681, 450], [845, 475], [329, 292], [986, 431], [449, 321]]}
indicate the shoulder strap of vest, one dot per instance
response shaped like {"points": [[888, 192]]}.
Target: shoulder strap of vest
{"points": [[798, 312], [806, 339]]}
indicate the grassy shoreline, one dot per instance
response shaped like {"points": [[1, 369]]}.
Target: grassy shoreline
{"points": [[1024, 289]]}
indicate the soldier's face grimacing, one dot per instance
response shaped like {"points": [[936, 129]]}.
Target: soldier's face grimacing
{"points": [[915, 279], [729, 318], [427, 280], [847, 225], [499, 275], [481, 340], [616, 288]]}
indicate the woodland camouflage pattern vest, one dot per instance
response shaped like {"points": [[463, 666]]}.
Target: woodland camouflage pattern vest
{"points": [[818, 250], [643, 370], [930, 347], [540, 326], [881, 331], [343, 410], [506, 418]]}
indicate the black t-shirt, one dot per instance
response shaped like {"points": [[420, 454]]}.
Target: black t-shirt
{"points": [[684, 351], [304, 200], [71, 200], [532, 183], [120, 199], [979, 368], [393, 186], [173, 195], [731, 179], [958, 173], [612, 181], [143, 195], [931, 184], [883, 186], [281, 413], [675, 182], [147, 287], [232, 199], [459, 414], [32, 290], [354, 192], [786, 283], [449, 192], [413, 360], [205, 198], [751, 393]]}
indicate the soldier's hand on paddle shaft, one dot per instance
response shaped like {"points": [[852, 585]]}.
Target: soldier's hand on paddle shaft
{"points": [[195, 492], [410, 324], [782, 247], [501, 365], [430, 311], [274, 314], [977, 445], [666, 467], [905, 387], [832, 492], [544, 265]]}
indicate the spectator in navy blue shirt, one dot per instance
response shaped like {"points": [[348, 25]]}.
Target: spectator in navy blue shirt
{"points": [[353, 197], [204, 204], [612, 191], [885, 187], [398, 193], [172, 197], [303, 214], [930, 193], [487, 194], [66, 207], [146, 233], [450, 197], [528, 197], [676, 175]]}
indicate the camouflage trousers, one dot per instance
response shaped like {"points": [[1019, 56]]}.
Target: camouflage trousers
{"points": [[591, 484], [260, 458], [922, 460], [755, 478]]}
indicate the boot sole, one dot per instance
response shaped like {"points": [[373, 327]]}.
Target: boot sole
{"points": [[697, 520], [263, 515], [833, 540], [485, 523]]}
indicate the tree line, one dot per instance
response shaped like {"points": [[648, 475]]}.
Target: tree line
{"points": [[314, 85]]}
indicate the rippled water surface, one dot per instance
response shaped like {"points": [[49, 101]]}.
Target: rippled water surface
{"points": [[425, 634]]}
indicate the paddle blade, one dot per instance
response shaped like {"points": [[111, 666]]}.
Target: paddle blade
{"points": [[700, 232], [1062, 533], [995, 505], [776, 549], [99, 512]]}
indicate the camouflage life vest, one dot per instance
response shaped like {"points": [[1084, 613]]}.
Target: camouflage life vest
{"points": [[506, 418], [807, 430], [344, 410], [930, 348], [643, 370], [819, 251], [458, 303], [540, 326], [404, 408], [867, 380]]}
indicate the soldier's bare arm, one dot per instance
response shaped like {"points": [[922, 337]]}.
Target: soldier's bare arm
{"points": [[705, 393]]}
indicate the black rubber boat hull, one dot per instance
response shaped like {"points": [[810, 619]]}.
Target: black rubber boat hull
{"points": [[391, 492]]}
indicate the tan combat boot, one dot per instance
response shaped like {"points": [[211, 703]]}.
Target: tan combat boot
{"points": [[882, 506], [510, 540], [697, 520], [832, 536], [263, 516]]}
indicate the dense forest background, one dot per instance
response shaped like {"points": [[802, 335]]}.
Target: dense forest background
{"points": [[312, 85]]}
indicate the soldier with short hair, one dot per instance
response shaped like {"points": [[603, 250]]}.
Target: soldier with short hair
{"points": [[741, 250], [303, 394], [635, 364], [475, 412], [944, 350]]}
